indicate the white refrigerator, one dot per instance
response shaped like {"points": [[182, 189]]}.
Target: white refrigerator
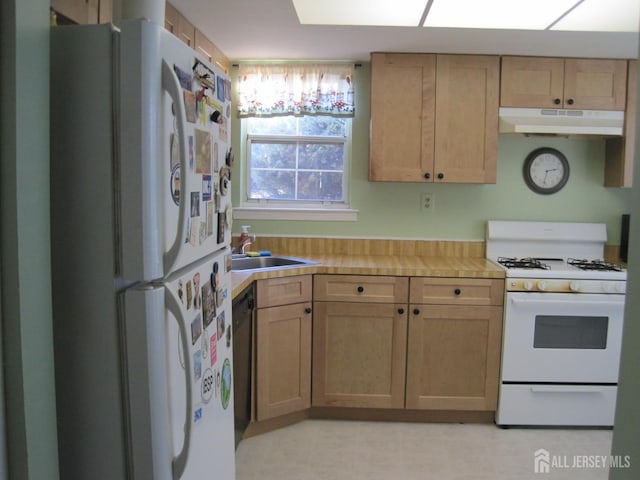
{"points": [[140, 225]]}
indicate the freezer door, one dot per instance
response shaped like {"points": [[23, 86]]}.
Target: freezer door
{"points": [[179, 354], [174, 168]]}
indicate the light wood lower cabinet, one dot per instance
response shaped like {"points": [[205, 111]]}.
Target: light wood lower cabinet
{"points": [[283, 346], [359, 354], [453, 357]]}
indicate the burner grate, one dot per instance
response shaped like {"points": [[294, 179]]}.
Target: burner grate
{"points": [[599, 265], [526, 263]]}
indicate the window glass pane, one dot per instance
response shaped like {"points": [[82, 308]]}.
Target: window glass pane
{"points": [[320, 156], [320, 186], [272, 125], [323, 126], [274, 185], [560, 331], [273, 155]]}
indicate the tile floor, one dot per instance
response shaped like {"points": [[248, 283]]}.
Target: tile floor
{"points": [[355, 450]]}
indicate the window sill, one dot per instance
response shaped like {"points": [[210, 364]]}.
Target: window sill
{"points": [[310, 214]]}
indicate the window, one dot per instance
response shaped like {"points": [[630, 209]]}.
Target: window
{"points": [[296, 158], [296, 121]]}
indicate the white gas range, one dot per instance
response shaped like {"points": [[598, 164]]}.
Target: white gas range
{"points": [[563, 322]]}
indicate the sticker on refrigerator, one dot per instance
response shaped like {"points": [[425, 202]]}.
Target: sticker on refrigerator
{"points": [[197, 415], [221, 226], [195, 204], [223, 129], [208, 304], [225, 386], [196, 329], [204, 75], [197, 365], [191, 155], [208, 385], [203, 151], [197, 299], [174, 149], [190, 106], [175, 184], [216, 162], [203, 232], [189, 294], [222, 85], [207, 187], [221, 325], [213, 347], [193, 232], [211, 209], [205, 346], [185, 79], [225, 180], [181, 292]]}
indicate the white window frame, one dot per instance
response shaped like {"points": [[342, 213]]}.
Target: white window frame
{"points": [[295, 209]]}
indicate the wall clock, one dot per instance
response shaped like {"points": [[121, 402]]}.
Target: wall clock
{"points": [[546, 170]]}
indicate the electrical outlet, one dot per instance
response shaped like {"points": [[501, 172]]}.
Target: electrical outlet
{"points": [[426, 201]]}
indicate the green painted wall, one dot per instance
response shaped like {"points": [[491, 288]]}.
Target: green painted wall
{"points": [[393, 209], [26, 330]]}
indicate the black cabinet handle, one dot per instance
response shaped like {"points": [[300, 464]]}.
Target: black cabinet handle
{"points": [[457, 291], [307, 310], [440, 176], [401, 311], [556, 101], [570, 101], [360, 289], [416, 311], [427, 175]]}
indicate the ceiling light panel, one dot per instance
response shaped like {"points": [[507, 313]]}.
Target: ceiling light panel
{"points": [[498, 14], [398, 13], [602, 16]]}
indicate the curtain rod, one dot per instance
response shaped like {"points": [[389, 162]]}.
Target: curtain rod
{"points": [[356, 65]]}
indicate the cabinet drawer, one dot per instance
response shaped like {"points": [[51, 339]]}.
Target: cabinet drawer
{"points": [[456, 291], [360, 288], [283, 291]]}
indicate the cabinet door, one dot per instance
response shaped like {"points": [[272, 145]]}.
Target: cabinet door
{"points": [[620, 152], [453, 357], [171, 18], [595, 84], [535, 82], [186, 31], [283, 360], [456, 291], [466, 135], [359, 354], [402, 117]]}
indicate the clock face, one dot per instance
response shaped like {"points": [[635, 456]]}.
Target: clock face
{"points": [[546, 170]]}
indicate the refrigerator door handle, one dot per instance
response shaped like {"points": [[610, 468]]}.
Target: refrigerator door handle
{"points": [[171, 85], [180, 461]]}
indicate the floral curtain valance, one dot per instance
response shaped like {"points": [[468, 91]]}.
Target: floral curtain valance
{"points": [[295, 90]]}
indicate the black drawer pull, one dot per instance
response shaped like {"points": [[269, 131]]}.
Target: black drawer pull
{"points": [[457, 291], [416, 311], [440, 176], [401, 311], [427, 175], [307, 310], [360, 289]]}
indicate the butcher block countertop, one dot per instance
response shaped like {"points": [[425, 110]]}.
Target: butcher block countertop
{"points": [[396, 265]]}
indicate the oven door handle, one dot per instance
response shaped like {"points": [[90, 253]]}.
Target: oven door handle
{"points": [[520, 301], [567, 389]]}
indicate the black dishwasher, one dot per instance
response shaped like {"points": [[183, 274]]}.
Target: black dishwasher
{"points": [[242, 315]]}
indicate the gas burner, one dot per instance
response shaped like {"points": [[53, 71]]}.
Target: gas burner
{"points": [[599, 265], [526, 263]]}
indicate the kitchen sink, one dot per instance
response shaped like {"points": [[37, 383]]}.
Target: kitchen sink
{"points": [[254, 263]]}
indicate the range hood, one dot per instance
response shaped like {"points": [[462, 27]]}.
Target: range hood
{"points": [[551, 121]]}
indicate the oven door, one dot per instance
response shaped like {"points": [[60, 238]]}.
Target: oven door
{"points": [[562, 337]]}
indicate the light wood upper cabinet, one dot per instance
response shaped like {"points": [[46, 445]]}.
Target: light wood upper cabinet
{"points": [[466, 119], [572, 83], [171, 18], [620, 152], [402, 117], [85, 11], [434, 118]]}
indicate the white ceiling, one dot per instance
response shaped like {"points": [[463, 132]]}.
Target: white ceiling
{"points": [[270, 30]]}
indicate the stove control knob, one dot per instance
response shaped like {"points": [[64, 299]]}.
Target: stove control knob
{"points": [[542, 285], [528, 285], [574, 286]]}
